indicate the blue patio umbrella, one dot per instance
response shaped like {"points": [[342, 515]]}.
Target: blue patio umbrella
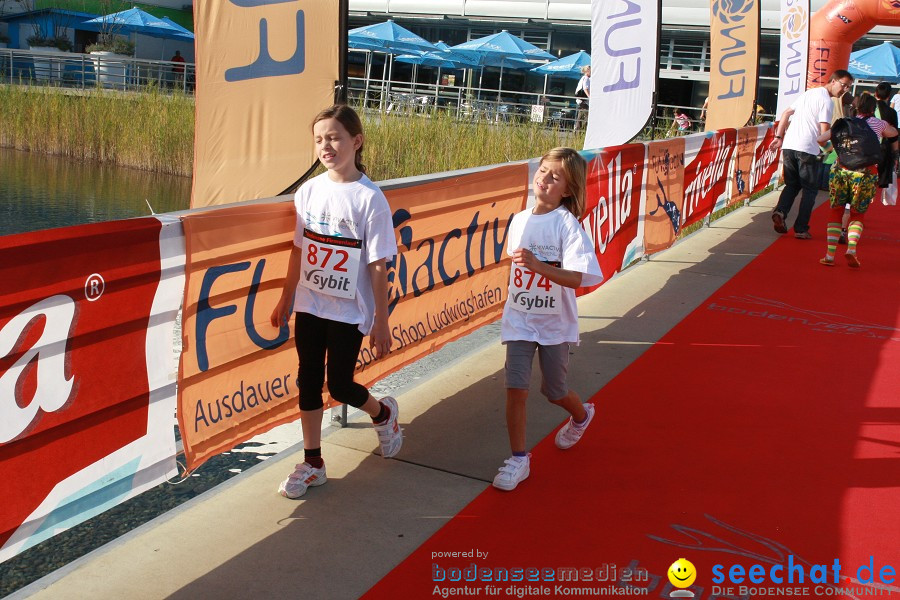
{"points": [[881, 63], [568, 66], [390, 38], [442, 59], [502, 50], [136, 21]]}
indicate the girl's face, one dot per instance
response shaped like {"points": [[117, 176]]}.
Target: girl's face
{"points": [[335, 147], [549, 183]]}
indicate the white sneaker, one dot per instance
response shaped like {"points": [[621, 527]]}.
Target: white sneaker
{"points": [[515, 469], [303, 477], [570, 433], [389, 435]]}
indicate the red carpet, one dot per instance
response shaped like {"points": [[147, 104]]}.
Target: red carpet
{"points": [[766, 424]]}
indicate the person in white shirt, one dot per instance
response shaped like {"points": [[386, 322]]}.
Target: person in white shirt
{"points": [[582, 96], [895, 102], [552, 256], [799, 126], [337, 288]]}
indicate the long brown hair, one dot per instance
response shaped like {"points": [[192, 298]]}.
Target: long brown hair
{"points": [[347, 117], [574, 169]]}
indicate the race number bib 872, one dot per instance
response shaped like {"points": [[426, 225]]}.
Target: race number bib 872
{"points": [[330, 264], [532, 293]]}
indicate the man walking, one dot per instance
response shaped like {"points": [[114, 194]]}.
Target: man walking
{"points": [[798, 128]]}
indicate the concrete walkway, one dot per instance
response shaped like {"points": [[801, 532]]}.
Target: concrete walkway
{"points": [[243, 540]]}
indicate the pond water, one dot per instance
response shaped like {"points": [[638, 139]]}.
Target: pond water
{"points": [[41, 192]]}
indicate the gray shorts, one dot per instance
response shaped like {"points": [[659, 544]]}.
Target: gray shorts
{"points": [[554, 361]]}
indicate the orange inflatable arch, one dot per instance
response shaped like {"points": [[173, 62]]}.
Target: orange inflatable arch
{"points": [[834, 29]]}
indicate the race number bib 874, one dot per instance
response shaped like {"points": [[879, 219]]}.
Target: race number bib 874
{"points": [[330, 264], [532, 293]]}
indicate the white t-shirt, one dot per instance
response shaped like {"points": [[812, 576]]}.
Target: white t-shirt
{"points": [[556, 236], [583, 84], [895, 102], [811, 108], [348, 211]]}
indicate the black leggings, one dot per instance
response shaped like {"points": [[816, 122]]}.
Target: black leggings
{"points": [[315, 337]]}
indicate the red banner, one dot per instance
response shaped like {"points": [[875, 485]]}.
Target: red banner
{"points": [[765, 161], [614, 203], [706, 173], [84, 423]]}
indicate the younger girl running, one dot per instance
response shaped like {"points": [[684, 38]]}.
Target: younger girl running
{"points": [[552, 255], [854, 187], [337, 286]]}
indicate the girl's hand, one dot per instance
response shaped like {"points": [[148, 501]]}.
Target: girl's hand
{"points": [[282, 312], [380, 338], [525, 258]]}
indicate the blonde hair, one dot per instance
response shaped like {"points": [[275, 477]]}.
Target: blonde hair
{"points": [[574, 168], [347, 117]]}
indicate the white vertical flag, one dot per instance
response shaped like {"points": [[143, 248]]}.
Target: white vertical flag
{"points": [[794, 52], [624, 69]]}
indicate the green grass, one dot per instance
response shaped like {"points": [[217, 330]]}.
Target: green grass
{"points": [[154, 130]]}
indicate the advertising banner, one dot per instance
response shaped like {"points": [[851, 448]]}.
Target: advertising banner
{"points": [[665, 193], [707, 166], [765, 161], [624, 69], [743, 164], [793, 53], [238, 374], [264, 70], [87, 371], [734, 59], [451, 274], [614, 205]]}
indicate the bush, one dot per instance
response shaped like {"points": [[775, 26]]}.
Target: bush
{"points": [[116, 45], [62, 43]]}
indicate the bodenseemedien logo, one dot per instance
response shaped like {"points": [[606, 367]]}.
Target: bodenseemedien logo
{"points": [[682, 574]]}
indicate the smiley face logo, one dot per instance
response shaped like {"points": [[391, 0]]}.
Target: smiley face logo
{"points": [[682, 573]]}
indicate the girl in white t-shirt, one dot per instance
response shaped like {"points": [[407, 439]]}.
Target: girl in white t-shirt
{"points": [[552, 255], [337, 287]]}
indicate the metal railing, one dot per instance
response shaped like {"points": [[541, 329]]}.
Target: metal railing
{"points": [[75, 70]]}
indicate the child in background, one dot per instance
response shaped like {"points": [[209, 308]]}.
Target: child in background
{"points": [[552, 255], [344, 236]]}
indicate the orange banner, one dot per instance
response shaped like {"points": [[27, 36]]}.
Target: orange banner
{"points": [[264, 70], [734, 54], [665, 193], [743, 164], [238, 374], [451, 274]]}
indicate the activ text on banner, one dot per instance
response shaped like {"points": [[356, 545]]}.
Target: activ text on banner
{"points": [[87, 384], [451, 274], [793, 53], [613, 206], [624, 69], [264, 70], [665, 193], [734, 56]]}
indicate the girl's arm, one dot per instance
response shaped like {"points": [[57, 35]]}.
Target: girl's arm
{"points": [[285, 305], [525, 258], [380, 337]]}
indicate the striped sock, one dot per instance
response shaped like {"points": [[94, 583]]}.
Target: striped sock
{"points": [[854, 231], [833, 234]]}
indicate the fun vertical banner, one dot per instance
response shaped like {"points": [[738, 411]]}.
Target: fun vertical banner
{"points": [[264, 69], [734, 53], [624, 69], [665, 193], [793, 53]]}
